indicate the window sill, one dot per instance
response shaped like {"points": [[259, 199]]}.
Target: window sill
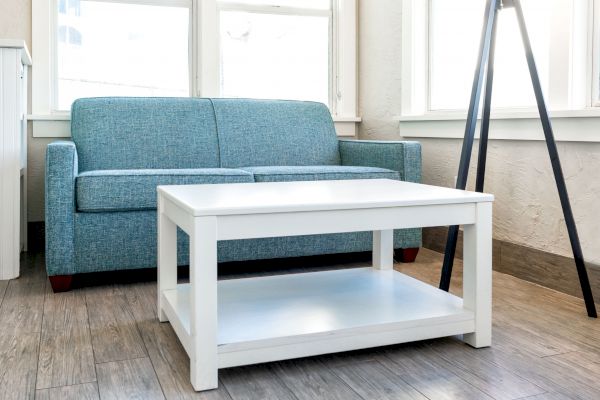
{"points": [[502, 114], [59, 125], [49, 117], [569, 125]]}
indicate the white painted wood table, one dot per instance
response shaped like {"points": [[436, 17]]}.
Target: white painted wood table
{"points": [[253, 320]]}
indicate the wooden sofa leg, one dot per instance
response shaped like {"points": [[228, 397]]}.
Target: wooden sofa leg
{"points": [[408, 255], [61, 283]]}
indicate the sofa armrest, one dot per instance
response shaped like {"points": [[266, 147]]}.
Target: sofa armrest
{"points": [[61, 170], [401, 156]]}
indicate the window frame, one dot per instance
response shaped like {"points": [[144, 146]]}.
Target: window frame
{"points": [[594, 53], [570, 92], [204, 60], [189, 4], [231, 5]]}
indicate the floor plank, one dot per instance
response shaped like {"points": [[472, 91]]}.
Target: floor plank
{"points": [[544, 348], [18, 361], [84, 391], [587, 365], [498, 383], [549, 396], [371, 380], [255, 382], [169, 359], [141, 300], [540, 371], [171, 363], [66, 354], [128, 379], [536, 342], [33, 267], [3, 286], [309, 379], [113, 329], [23, 304], [424, 372]]}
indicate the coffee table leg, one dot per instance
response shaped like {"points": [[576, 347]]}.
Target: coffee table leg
{"points": [[167, 257], [477, 275], [383, 249], [203, 280]]}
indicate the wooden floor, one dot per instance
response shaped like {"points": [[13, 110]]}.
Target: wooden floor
{"points": [[105, 342]]}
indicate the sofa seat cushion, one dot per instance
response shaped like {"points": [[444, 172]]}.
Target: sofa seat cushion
{"points": [[135, 189], [316, 173]]}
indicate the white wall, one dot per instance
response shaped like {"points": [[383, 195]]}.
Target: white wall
{"points": [[379, 67], [527, 209]]}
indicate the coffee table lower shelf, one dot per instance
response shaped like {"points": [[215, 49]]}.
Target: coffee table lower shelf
{"points": [[297, 315]]}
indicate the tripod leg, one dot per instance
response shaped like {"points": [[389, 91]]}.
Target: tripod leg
{"points": [[487, 106], [556, 167], [465, 157]]}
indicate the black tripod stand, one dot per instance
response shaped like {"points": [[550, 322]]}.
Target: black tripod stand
{"points": [[486, 59]]}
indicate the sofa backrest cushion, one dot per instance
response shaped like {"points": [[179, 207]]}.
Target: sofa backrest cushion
{"points": [[275, 132], [144, 133]]}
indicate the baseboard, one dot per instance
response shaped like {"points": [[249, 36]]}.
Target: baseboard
{"points": [[36, 236], [533, 265]]}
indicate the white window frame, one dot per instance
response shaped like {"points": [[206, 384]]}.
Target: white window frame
{"points": [[44, 73], [231, 5], [204, 60], [574, 93], [594, 54]]}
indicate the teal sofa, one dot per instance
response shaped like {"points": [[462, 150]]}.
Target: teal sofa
{"points": [[101, 186]]}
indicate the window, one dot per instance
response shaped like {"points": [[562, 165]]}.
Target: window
{"points": [[285, 49], [443, 40], [279, 49], [454, 45], [144, 53]]}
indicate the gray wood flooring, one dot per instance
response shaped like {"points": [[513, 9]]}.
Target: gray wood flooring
{"points": [[104, 342]]}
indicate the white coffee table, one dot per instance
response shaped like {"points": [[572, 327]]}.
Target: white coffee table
{"points": [[247, 321]]}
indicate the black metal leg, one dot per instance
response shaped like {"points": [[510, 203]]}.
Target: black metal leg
{"points": [[481, 156], [467, 147], [487, 107], [449, 257], [556, 167]]}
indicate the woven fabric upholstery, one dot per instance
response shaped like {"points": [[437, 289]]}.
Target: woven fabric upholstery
{"points": [[127, 240], [61, 170], [275, 133], [404, 157], [309, 245], [119, 240], [336, 172], [142, 133], [124, 147], [135, 189]]}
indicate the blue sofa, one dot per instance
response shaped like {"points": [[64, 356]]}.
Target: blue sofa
{"points": [[101, 187]]}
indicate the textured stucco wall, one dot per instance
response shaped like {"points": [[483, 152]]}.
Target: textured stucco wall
{"points": [[15, 23], [379, 67], [527, 209]]}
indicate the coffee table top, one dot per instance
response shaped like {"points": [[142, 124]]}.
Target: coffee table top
{"points": [[273, 197]]}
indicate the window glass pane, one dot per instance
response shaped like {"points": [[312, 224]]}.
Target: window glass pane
{"points": [[119, 49], [309, 4], [454, 44], [274, 56]]}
